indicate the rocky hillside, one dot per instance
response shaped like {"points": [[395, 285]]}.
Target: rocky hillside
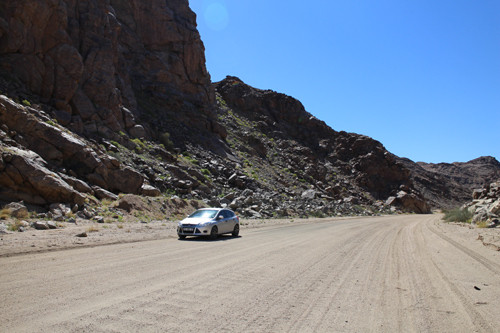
{"points": [[105, 97], [448, 185], [485, 205], [473, 174]]}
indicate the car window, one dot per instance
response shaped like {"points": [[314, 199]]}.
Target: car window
{"points": [[229, 213], [206, 213]]}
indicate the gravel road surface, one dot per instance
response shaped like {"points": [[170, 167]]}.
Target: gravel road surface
{"points": [[383, 274]]}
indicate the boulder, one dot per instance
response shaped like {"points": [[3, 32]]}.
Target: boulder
{"points": [[126, 180], [150, 191], [40, 225], [3, 229], [494, 208], [102, 194], [26, 173], [60, 209], [137, 132], [51, 225], [129, 202], [17, 209], [413, 203]]}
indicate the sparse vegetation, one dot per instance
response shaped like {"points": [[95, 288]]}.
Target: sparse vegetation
{"points": [[15, 226], [458, 215], [166, 142], [221, 101], [5, 213], [482, 224], [93, 228]]}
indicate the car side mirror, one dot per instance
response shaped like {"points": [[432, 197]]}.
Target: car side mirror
{"points": [[220, 217]]}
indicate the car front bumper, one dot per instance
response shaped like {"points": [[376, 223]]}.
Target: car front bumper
{"points": [[194, 230]]}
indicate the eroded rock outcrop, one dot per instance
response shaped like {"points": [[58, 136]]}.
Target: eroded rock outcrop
{"points": [[485, 205], [89, 59], [448, 185], [43, 163], [276, 127]]}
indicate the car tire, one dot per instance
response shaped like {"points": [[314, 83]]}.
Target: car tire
{"points": [[236, 230], [182, 236], [214, 232]]}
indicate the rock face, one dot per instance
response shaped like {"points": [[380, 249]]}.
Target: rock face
{"points": [[486, 204], [448, 185], [37, 159], [90, 60], [275, 127], [473, 174]]}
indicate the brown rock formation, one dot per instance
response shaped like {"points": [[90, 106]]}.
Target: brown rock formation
{"points": [[448, 185], [313, 149], [32, 160], [88, 58]]}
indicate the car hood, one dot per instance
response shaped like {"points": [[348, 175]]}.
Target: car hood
{"points": [[195, 220]]}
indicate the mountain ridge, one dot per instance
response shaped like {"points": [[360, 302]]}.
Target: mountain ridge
{"points": [[114, 97]]}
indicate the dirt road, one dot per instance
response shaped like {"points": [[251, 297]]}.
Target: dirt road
{"points": [[383, 274]]}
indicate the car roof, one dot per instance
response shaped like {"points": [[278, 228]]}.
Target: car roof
{"points": [[215, 208]]}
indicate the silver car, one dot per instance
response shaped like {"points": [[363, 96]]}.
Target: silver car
{"points": [[210, 222]]}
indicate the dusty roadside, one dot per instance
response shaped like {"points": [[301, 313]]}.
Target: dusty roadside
{"points": [[396, 273], [68, 236], [99, 234]]}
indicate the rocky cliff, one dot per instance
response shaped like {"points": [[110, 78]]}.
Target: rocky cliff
{"points": [[485, 205], [97, 63], [103, 97], [448, 185]]}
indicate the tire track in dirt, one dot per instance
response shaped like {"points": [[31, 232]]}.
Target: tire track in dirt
{"points": [[321, 308], [478, 321], [376, 274], [493, 267]]}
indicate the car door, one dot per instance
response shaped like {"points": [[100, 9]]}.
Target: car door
{"points": [[222, 222], [231, 221], [227, 224]]}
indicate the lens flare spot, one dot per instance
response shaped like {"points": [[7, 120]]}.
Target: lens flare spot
{"points": [[216, 16]]}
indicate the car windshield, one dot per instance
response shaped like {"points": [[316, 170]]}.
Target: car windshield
{"points": [[206, 213]]}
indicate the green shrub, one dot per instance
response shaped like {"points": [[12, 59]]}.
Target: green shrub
{"points": [[26, 103], [482, 224], [139, 143], [115, 155], [458, 215], [166, 142], [221, 101]]}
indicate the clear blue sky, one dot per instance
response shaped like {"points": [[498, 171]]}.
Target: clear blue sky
{"points": [[420, 76]]}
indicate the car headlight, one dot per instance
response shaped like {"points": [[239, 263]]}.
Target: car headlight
{"points": [[204, 224]]}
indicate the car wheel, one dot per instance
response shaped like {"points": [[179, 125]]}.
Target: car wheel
{"points": [[236, 230], [182, 236], [214, 232]]}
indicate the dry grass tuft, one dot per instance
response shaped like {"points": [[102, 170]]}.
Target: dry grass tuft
{"points": [[482, 224], [5, 213], [93, 228]]}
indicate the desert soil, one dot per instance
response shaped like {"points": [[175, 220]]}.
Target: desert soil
{"points": [[409, 273]]}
